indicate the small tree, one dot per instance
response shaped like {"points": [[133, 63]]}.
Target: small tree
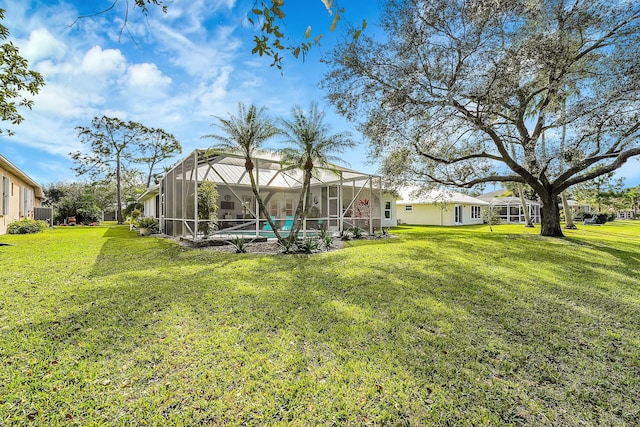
{"points": [[112, 144], [207, 207], [490, 216]]}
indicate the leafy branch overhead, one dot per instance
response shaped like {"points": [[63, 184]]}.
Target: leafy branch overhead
{"points": [[15, 79], [270, 15], [273, 41]]}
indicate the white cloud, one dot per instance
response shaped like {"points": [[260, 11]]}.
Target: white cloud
{"points": [[64, 101], [146, 76], [42, 45], [103, 62]]}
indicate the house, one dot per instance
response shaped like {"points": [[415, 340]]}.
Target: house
{"points": [[438, 207], [342, 198], [577, 209], [626, 214], [19, 194], [509, 208], [150, 200]]}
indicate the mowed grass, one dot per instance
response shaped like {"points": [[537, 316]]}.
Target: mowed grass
{"points": [[439, 326]]}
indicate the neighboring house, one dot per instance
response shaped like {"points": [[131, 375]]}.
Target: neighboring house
{"points": [[626, 214], [438, 207], [577, 210], [19, 194], [509, 208], [151, 202], [342, 198]]}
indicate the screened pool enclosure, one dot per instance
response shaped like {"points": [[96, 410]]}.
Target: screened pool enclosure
{"points": [[341, 198]]}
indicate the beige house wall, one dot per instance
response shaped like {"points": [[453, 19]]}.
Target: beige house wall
{"points": [[16, 197], [434, 214]]}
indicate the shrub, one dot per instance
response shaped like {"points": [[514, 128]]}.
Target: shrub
{"points": [[327, 241], [309, 245], [357, 232], [27, 226], [147, 222], [83, 208], [602, 218], [287, 245], [240, 244]]}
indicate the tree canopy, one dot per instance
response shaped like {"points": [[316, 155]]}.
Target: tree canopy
{"points": [[459, 93], [16, 81], [115, 145], [155, 146]]}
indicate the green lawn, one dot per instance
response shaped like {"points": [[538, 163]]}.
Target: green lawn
{"points": [[440, 326]]}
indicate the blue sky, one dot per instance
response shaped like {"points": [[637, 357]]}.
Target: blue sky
{"points": [[173, 71]]}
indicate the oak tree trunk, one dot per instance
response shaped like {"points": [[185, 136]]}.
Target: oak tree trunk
{"points": [[550, 213]]}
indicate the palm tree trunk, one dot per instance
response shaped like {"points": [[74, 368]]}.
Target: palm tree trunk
{"points": [[568, 215], [303, 207], [261, 205]]}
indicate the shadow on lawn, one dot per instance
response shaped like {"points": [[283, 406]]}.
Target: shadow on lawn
{"points": [[354, 333], [629, 257]]}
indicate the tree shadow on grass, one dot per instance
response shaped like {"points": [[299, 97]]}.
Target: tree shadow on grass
{"points": [[630, 257], [378, 332]]}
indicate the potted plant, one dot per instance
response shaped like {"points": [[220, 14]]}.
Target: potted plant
{"points": [[147, 225]]}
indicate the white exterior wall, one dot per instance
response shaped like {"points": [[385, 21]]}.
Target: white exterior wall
{"points": [[150, 207], [393, 220], [434, 214]]}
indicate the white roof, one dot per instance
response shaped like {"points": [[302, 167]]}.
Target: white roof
{"points": [[149, 193], [507, 201], [414, 196], [228, 167]]}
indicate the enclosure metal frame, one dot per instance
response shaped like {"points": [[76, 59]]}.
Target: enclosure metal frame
{"points": [[179, 194]]}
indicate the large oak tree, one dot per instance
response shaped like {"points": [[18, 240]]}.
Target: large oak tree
{"points": [[460, 92]]}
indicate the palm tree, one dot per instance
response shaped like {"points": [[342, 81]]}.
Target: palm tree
{"points": [[310, 144], [245, 133]]}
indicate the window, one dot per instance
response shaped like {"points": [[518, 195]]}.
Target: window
{"points": [[6, 188], [26, 201], [288, 207], [458, 215], [387, 210], [408, 207], [475, 212]]}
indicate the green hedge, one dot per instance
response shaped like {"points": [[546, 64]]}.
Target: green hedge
{"points": [[27, 226]]}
